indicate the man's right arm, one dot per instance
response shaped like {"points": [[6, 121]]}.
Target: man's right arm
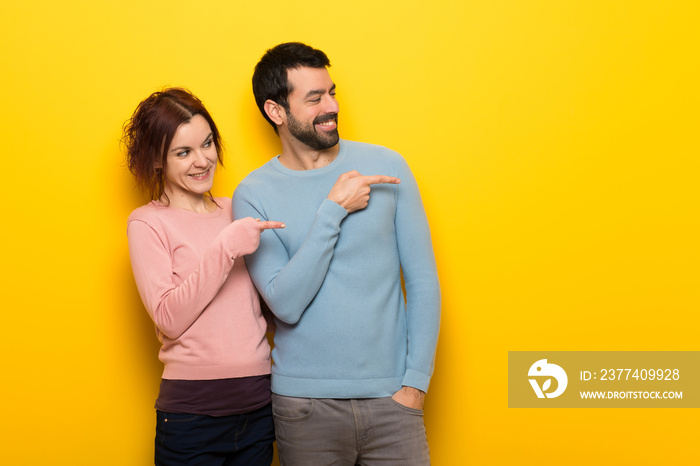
{"points": [[289, 284]]}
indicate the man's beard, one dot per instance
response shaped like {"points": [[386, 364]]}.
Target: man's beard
{"points": [[312, 138]]}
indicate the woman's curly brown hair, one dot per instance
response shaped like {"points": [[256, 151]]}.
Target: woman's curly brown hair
{"points": [[150, 130]]}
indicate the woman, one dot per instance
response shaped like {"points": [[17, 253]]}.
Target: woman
{"points": [[186, 252]]}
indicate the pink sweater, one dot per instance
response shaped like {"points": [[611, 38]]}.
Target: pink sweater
{"points": [[194, 284]]}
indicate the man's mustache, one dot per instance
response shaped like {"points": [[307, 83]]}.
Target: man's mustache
{"points": [[327, 117]]}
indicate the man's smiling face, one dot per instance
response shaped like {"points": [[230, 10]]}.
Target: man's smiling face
{"points": [[313, 109]]}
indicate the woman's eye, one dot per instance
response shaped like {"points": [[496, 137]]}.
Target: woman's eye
{"points": [[207, 144], [183, 153]]}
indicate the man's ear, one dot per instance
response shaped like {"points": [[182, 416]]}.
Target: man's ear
{"points": [[275, 112]]}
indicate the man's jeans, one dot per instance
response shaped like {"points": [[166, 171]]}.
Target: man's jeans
{"points": [[367, 432]]}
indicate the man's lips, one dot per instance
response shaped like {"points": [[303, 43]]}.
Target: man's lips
{"points": [[330, 117]]}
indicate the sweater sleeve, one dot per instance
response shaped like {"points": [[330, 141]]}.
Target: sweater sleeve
{"points": [[420, 277], [172, 307], [289, 284]]}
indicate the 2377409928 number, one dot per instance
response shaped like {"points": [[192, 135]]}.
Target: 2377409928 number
{"points": [[640, 374]]}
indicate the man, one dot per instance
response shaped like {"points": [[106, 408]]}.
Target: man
{"points": [[352, 361]]}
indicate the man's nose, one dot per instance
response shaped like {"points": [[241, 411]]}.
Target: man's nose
{"points": [[331, 105]]}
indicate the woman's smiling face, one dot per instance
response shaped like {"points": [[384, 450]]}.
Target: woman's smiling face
{"points": [[191, 160]]}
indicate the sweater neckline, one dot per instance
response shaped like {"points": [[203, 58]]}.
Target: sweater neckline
{"points": [[216, 213]]}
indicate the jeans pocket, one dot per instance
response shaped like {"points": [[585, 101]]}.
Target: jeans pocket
{"points": [[177, 417], [176, 431], [413, 411], [287, 408]]}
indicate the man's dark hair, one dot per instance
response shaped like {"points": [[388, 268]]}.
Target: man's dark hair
{"points": [[270, 76]]}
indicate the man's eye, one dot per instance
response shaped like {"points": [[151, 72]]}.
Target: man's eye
{"points": [[315, 101]]}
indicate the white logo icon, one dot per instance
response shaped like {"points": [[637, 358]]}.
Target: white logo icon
{"points": [[542, 369]]}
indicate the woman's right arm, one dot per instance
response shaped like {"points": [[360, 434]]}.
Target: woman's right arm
{"points": [[174, 308]]}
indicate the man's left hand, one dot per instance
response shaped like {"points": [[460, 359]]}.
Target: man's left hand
{"points": [[410, 397]]}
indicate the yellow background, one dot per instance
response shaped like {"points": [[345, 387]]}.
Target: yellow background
{"points": [[555, 143]]}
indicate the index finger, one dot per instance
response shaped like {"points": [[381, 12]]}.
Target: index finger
{"points": [[378, 179], [269, 224]]}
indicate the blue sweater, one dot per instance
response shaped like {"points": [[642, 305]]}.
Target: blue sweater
{"points": [[333, 279]]}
